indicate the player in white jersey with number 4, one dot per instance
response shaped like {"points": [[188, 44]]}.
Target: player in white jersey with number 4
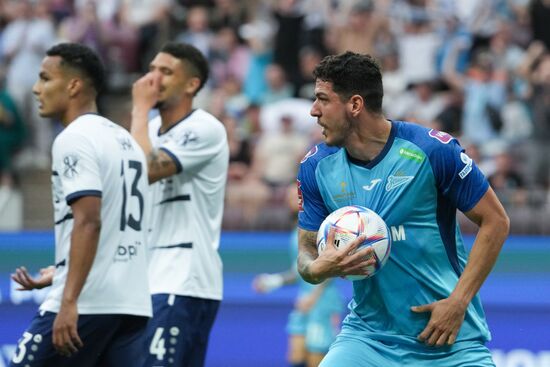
{"points": [[98, 306], [188, 156]]}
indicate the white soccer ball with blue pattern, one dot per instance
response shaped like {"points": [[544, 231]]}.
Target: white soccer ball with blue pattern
{"points": [[350, 222]]}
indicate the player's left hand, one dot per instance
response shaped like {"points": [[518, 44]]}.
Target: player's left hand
{"points": [[65, 335], [446, 318]]}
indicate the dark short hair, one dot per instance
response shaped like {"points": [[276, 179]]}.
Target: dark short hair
{"points": [[192, 57], [351, 73], [82, 59]]}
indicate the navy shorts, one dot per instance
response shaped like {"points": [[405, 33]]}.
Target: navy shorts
{"points": [[109, 340], [177, 335]]}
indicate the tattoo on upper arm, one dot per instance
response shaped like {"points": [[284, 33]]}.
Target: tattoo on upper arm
{"points": [[158, 160]]}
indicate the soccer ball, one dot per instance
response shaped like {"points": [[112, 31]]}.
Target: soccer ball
{"points": [[351, 221]]}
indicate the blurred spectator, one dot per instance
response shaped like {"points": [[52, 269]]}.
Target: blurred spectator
{"points": [[278, 87], [506, 180], [394, 81], [228, 13], [309, 57], [457, 39], [289, 22], [482, 21], [240, 154], [421, 104], [228, 58], [228, 99], [276, 155], [359, 32], [539, 13], [508, 56], [105, 9], [84, 27], [25, 40], [536, 69], [418, 45], [258, 36], [60, 9], [486, 165], [484, 89], [149, 18], [450, 119], [198, 32], [121, 42], [12, 134]]}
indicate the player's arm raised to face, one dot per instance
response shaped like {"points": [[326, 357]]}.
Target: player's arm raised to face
{"points": [[494, 225], [144, 96]]}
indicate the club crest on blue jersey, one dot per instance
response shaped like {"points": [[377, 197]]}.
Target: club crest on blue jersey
{"points": [[311, 153], [440, 135], [71, 168], [397, 181]]}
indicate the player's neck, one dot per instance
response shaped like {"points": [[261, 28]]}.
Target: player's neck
{"points": [[171, 115], [76, 110], [370, 138]]}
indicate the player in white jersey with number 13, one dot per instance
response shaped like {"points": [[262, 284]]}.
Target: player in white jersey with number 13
{"points": [[188, 156], [97, 309]]}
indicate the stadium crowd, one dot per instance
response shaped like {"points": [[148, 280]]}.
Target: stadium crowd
{"points": [[479, 70]]}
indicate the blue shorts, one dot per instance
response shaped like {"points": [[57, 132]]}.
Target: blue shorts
{"points": [[318, 329], [177, 335], [109, 340], [355, 351]]}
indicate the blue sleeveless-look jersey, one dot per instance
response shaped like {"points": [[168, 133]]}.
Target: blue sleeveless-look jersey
{"points": [[415, 184]]}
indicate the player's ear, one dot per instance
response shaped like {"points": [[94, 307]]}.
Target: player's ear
{"points": [[355, 104], [192, 85], [75, 86]]}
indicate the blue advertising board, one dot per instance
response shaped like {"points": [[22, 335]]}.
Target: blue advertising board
{"points": [[249, 330]]}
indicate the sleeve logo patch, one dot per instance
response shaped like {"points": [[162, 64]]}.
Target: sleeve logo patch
{"points": [[468, 165], [440, 135], [311, 153], [71, 168]]}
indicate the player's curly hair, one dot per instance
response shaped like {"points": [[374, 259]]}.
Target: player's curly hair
{"points": [[82, 59], [351, 73], [192, 57]]}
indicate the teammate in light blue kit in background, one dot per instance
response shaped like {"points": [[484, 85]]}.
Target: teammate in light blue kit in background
{"points": [[315, 319], [422, 308]]}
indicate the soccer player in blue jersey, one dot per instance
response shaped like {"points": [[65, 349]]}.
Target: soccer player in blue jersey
{"points": [[422, 308], [315, 320]]}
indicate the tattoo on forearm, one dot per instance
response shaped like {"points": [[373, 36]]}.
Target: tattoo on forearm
{"points": [[308, 251]]}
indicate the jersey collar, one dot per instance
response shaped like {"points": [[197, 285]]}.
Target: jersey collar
{"points": [[379, 157], [177, 123]]}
